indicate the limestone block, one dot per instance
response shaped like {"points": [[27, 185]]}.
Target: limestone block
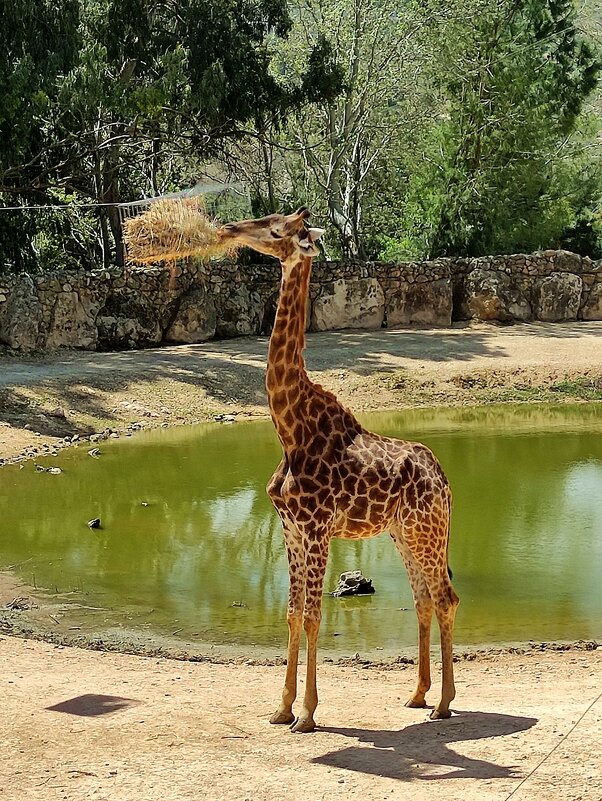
{"points": [[566, 262], [558, 297], [492, 295], [20, 316], [239, 312], [195, 320], [128, 320], [73, 320], [355, 303], [425, 303], [592, 308]]}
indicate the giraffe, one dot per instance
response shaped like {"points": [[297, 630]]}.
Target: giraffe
{"points": [[336, 479]]}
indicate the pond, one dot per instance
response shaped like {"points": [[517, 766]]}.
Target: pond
{"points": [[190, 546]]}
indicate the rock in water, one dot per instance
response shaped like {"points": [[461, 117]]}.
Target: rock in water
{"points": [[94, 523], [353, 583]]}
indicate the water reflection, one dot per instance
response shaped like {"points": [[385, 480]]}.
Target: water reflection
{"points": [[189, 540]]}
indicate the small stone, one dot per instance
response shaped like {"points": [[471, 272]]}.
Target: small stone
{"points": [[114, 435], [94, 523], [54, 471], [95, 452]]}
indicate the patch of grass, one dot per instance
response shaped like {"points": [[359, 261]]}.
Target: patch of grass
{"points": [[582, 388]]}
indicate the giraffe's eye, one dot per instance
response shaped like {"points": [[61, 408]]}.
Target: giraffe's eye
{"points": [[275, 235]]}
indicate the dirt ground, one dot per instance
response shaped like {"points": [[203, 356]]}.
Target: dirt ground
{"points": [[79, 724], [75, 394]]}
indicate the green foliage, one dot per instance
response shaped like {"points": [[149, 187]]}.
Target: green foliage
{"points": [[492, 176], [111, 100], [584, 388], [412, 128]]}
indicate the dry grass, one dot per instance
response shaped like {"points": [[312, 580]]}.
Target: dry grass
{"points": [[170, 230]]}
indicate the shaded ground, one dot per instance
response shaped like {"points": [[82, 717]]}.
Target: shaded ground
{"points": [[45, 399], [81, 725]]}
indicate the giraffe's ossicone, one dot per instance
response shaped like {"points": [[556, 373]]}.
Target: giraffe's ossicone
{"points": [[336, 479]]}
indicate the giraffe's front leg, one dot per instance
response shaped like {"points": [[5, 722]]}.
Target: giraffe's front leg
{"points": [[305, 722], [296, 598], [284, 713], [317, 558]]}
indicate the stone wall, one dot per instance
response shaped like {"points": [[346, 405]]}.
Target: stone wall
{"points": [[113, 309]]}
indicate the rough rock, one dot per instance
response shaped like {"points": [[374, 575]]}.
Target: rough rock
{"points": [[424, 303], [239, 313], [358, 303], [491, 295], [592, 308], [353, 582], [195, 320], [127, 321], [21, 315], [73, 320], [558, 297]]}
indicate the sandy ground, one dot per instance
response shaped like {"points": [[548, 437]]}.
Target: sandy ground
{"points": [[78, 724]]}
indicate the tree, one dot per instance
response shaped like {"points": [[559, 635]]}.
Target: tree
{"points": [[493, 177], [343, 139], [28, 77], [148, 90]]}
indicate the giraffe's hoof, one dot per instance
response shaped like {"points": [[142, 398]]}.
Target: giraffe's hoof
{"points": [[281, 716], [415, 703], [303, 725], [440, 714]]}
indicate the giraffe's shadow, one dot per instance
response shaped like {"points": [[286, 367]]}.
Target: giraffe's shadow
{"points": [[421, 750]]}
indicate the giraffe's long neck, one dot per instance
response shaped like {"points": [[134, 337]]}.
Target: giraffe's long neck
{"points": [[287, 381]]}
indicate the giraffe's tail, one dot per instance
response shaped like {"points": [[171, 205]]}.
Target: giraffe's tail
{"points": [[449, 511]]}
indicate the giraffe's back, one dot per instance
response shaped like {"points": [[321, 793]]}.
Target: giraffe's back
{"points": [[359, 484]]}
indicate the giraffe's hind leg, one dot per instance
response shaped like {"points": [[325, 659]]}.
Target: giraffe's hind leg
{"points": [[424, 549], [424, 612], [446, 602]]}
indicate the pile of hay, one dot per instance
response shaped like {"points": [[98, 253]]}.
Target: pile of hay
{"points": [[172, 229]]}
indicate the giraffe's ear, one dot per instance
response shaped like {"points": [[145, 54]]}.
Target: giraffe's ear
{"points": [[314, 234]]}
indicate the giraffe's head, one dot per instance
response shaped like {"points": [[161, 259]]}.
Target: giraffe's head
{"points": [[284, 236]]}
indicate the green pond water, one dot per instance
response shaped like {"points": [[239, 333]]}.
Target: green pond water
{"points": [[190, 546]]}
